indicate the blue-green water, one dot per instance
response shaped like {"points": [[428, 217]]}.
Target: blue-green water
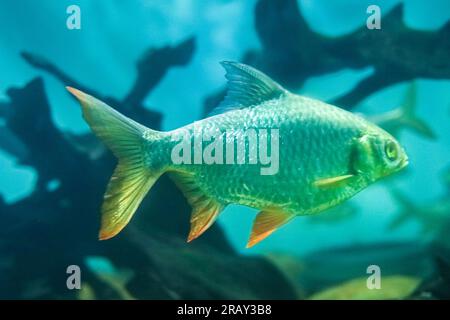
{"points": [[113, 36]]}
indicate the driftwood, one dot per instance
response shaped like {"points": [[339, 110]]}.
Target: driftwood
{"points": [[291, 52], [57, 225]]}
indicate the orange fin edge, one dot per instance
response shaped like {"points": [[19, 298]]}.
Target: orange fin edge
{"points": [[266, 222]]}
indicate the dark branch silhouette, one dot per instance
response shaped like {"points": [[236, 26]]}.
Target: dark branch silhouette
{"points": [[56, 226], [292, 52]]}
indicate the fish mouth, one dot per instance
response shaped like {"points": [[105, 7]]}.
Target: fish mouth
{"points": [[403, 164]]}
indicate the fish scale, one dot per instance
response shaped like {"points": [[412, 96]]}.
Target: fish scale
{"points": [[314, 144]]}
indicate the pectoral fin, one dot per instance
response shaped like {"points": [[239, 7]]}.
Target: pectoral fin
{"points": [[266, 222], [333, 181]]}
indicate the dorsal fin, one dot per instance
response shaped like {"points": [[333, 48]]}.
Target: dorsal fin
{"points": [[246, 87]]}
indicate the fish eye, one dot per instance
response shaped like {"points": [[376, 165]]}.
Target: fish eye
{"points": [[391, 150]]}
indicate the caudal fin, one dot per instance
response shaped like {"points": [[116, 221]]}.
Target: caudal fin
{"points": [[131, 179]]}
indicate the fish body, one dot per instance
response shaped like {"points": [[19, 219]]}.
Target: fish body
{"points": [[317, 141], [320, 155]]}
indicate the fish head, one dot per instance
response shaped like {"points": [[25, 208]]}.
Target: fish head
{"points": [[378, 154]]}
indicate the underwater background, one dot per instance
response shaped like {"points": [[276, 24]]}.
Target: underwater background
{"points": [[158, 63]]}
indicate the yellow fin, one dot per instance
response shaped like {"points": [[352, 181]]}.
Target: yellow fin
{"points": [[266, 222], [205, 209], [126, 189], [203, 217], [333, 181], [132, 179]]}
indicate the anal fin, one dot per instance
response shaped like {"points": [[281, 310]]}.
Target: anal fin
{"points": [[202, 217], [205, 209], [266, 222]]}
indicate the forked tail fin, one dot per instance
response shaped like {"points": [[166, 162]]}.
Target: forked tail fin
{"points": [[132, 178], [404, 117], [409, 117]]}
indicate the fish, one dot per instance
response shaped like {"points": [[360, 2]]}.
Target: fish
{"points": [[433, 217], [116, 279], [324, 156], [404, 117], [393, 287]]}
